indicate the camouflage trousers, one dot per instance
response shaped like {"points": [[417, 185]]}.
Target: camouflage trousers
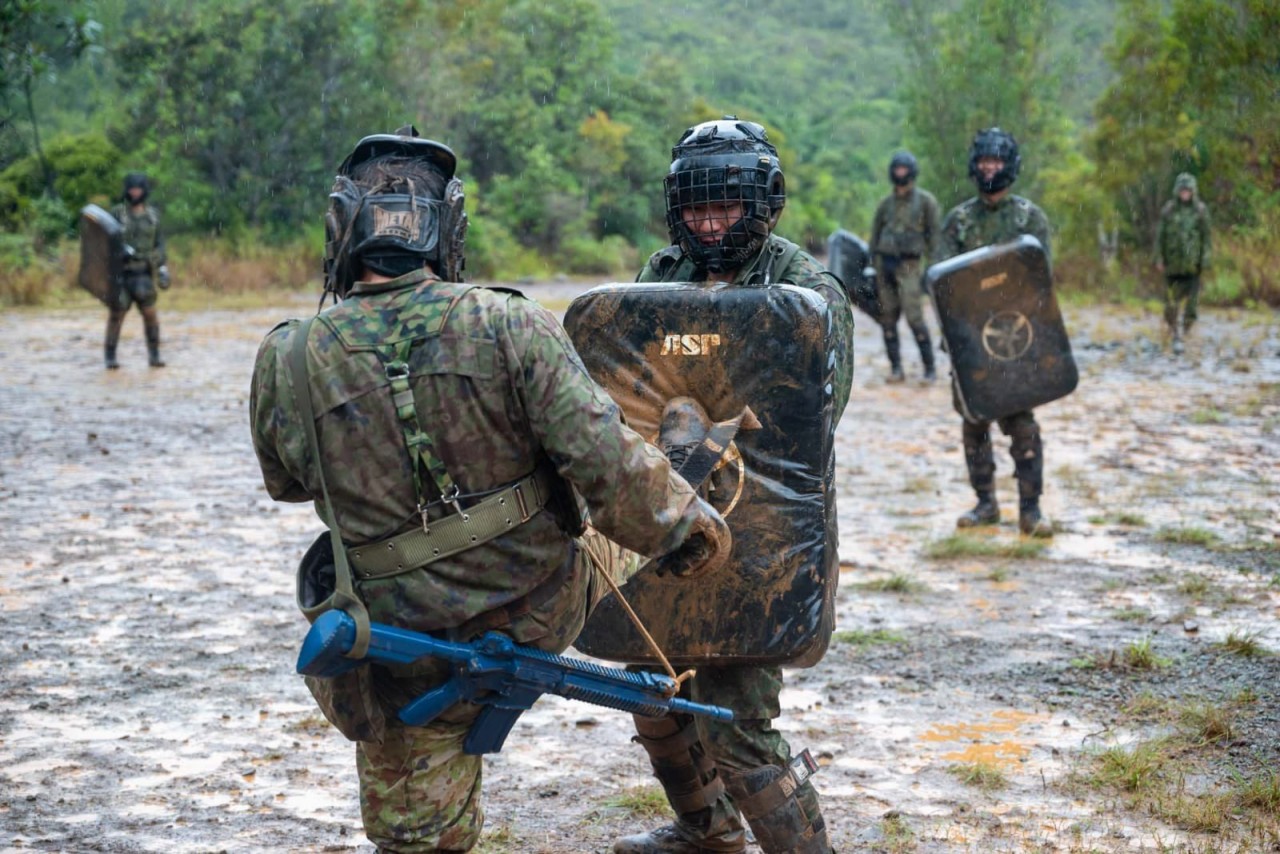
{"points": [[137, 288], [900, 294], [743, 745], [1179, 290], [419, 793]]}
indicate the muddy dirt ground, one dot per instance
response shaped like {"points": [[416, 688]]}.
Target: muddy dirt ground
{"points": [[147, 701]]}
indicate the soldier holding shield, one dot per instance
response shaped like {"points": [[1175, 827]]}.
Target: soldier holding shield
{"points": [[996, 216], [724, 194], [144, 268]]}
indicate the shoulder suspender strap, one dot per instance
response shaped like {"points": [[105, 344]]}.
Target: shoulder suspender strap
{"points": [[344, 597]]}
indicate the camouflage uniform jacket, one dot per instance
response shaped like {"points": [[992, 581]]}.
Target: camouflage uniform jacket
{"points": [[142, 232], [1183, 236], [906, 225], [670, 265], [500, 390], [975, 223]]}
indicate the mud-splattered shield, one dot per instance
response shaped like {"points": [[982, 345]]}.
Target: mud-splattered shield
{"points": [[1009, 348], [101, 253], [849, 257], [768, 349]]}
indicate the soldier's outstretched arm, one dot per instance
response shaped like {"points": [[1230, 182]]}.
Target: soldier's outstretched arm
{"points": [[634, 497]]}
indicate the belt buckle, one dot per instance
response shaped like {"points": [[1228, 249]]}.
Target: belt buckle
{"points": [[520, 502]]}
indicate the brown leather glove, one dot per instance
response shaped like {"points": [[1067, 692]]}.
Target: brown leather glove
{"points": [[704, 551]]}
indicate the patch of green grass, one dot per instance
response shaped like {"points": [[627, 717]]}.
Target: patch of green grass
{"points": [[1147, 707], [1189, 535], [1261, 793], [1206, 723], [1131, 615], [499, 840], [1131, 769], [979, 775], [893, 584], [965, 545], [998, 574], [1128, 520], [1208, 415], [1140, 655], [898, 836], [1196, 586], [641, 802], [863, 639], [1244, 644]]}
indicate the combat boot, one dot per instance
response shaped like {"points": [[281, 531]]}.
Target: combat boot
{"points": [[926, 355], [684, 425], [1177, 342], [153, 345], [769, 798], [985, 512], [114, 321], [1031, 522], [893, 350], [706, 821]]}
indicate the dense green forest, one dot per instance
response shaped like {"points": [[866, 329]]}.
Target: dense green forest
{"points": [[563, 113]]}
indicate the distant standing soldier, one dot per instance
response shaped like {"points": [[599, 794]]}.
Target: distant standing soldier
{"points": [[144, 268], [995, 216], [1183, 244], [903, 233]]}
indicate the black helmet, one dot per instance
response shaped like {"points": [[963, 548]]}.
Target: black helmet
{"points": [[139, 180], [994, 142], [725, 161], [907, 159], [386, 228]]}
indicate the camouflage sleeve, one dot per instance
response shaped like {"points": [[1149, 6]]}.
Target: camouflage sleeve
{"points": [[634, 497], [806, 272], [1038, 227], [159, 254], [932, 227], [949, 244], [1206, 246], [877, 225], [281, 447]]}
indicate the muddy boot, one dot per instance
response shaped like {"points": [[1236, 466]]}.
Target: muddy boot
{"points": [[684, 425], [114, 321], [893, 350], [153, 345], [985, 512], [1031, 522], [926, 355], [768, 798], [1177, 342], [706, 821]]}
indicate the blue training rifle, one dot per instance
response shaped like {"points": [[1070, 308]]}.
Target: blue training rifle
{"points": [[494, 671]]}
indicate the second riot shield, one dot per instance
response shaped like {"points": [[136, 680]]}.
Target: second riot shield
{"points": [[1008, 345], [763, 349], [101, 253], [849, 257]]}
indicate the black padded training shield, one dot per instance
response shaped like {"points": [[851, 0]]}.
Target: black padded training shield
{"points": [[101, 253], [849, 257], [1009, 348], [728, 347]]}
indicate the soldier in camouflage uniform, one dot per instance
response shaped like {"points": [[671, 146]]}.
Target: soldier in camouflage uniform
{"points": [[722, 226], [995, 216], [418, 378], [903, 234], [144, 269], [1183, 244]]}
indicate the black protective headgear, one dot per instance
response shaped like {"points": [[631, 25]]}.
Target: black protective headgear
{"points": [[390, 226], [994, 142], [907, 159], [725, 161], [136, 179]]}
